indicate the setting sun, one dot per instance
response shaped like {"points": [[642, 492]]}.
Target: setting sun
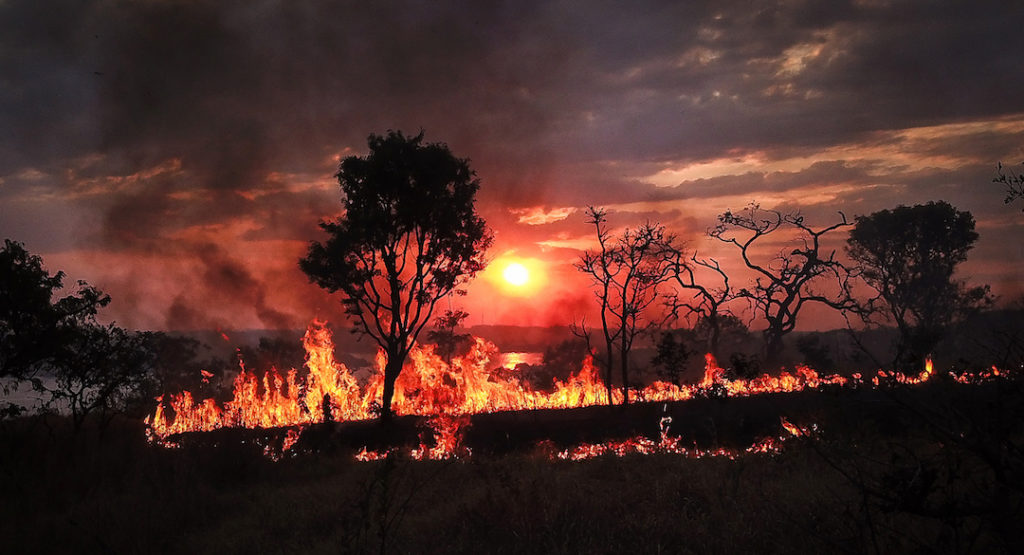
{"points": [[516, 274]]}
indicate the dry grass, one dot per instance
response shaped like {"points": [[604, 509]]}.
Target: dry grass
{"points": [[118, 494]]}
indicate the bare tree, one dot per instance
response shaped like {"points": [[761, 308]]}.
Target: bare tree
{"points": [[626, 272], [790, 280], [1014, 182], [706, 303]]}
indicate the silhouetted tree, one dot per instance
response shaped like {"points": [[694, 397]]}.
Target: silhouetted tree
{"points": [[175, 364], [908, 256], [706, 303], [671, 357], [408, 237], [733, 334], [102, 371], [57, 345], [444, 336], [559, 361], [1014, 182], [815, 354], [33, 324], [282, 352], [625, 272], [789, 281], [743, 366]]}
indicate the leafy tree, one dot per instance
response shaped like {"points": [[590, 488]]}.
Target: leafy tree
{"points": [[89, 368], [815, 353], [176, 362], [409, 236], [103, 370], [282, 352], [448, 342], [626, 272], [671, 357], [908, 256], [559, 361], [33, 324], [743, 366], [789, 281]]}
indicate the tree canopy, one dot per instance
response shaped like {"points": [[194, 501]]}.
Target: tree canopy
{"points": [[34, 325], [625, 273], [409, 236], [794, 278], [908, 256], [88, 368]]}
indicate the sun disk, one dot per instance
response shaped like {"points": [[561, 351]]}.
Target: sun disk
{"points": [[516, 274]]}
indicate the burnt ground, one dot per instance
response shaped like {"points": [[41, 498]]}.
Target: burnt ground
{"points": [[708, 421], [931, 469]]}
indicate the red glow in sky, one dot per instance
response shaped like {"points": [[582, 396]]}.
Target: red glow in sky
{"points": [[186, 177]]}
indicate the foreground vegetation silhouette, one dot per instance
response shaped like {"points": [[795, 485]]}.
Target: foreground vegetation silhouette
{"points": [[409, 236]]}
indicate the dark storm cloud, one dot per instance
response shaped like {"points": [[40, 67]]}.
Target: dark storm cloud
{"points": [[161, 119], [47, 88], [753, 183], [777, 77], [238, 89]]}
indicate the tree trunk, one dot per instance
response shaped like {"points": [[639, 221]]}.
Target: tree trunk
{"points": [[391, 371], [714, 331], [624, 361], [608, 370], [773, 348]]}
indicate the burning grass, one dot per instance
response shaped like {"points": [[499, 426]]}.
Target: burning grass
{"points": [[82, 493], [895, 465], [448, 393]]}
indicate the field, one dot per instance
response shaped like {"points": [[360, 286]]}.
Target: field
{"points": [[934, 468]]}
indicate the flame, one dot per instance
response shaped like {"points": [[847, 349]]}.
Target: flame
{"points": [[364, 455], [793, 429], [673, 445], [448, 431], [713, 374], [448, 437], [291, 437], [431, 387]]}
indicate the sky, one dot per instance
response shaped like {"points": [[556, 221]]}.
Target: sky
{"points": [[178, 154]]}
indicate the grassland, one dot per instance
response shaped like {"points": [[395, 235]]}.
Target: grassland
{"points": [[933, 469]]}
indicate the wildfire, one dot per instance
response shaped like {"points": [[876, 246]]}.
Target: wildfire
{"points": [[448, 431], [448, 444], [430, 386], [673, 445], [447, 393], [793, 429], [291, 437]]}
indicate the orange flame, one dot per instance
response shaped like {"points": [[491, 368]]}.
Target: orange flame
{"points": [[793, 429], [448, 431], [429, 386], [642, 445]]}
